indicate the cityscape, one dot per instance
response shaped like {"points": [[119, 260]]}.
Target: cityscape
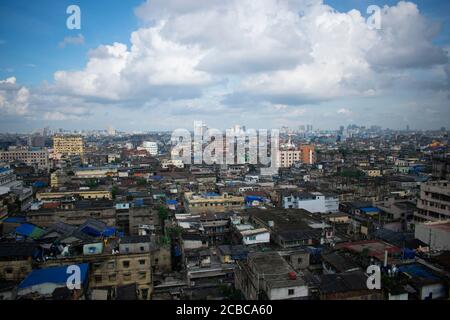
{"points": [[226, 150]]}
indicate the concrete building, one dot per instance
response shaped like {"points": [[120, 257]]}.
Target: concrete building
{"points": [[266, 275], [34, 157], [435, 234], [166, 163], [308, 153], [434, 202], [289, 157], [150, 147], [213, 202], [68, 144], [312, 202]]}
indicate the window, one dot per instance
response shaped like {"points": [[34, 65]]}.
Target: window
{"points": [[299, 260], [144, 293], [9, 270], [127, 276], [98, 278], [97, 266], [142, 275], [291, 292], [142, 248], [112, 277], [126, 264], [142, 262]]}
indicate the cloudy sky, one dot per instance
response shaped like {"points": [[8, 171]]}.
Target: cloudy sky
{"points": [[161, 64]]}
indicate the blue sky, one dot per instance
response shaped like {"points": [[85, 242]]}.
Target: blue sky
{"points": [[211, 72]]}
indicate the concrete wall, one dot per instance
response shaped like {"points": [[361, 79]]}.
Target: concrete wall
{"points": [[283, 293]]}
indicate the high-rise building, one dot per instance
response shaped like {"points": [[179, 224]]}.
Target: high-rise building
{"points": [[434, 202], [308, 153], [68, 144], [305, 154]]}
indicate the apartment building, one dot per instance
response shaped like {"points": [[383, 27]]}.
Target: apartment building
{"points": [[289, 157], [434, 202], [267, 276], [68, 144], [34, 157], [305, 154], [308, 153], [310, 201], [212, 202]]}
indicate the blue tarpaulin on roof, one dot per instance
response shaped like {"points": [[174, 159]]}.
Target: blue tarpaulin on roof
{"points": [[57, 275], [171, 201], [369, 209], [91, 231], [29, 230], [157, 178], [17, 219], [109, 231], [39, 184], [408, 253]]}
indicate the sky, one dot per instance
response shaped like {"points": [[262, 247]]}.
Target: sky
{"points": [[141, 65]]}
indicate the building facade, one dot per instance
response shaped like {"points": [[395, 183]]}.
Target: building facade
{"points": [[34, 157], [434, 202], [68, 144]]}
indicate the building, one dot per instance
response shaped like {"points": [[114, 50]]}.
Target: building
{"points": [[96, 172], [434, 202], [312, 202], [266, 275], [59, 178], [308, 153], [68, 144], [82, 194], [150, 147], [34, 157], [213, 202], [292, 228], [435, 234], [289, 157], [167, 163]]}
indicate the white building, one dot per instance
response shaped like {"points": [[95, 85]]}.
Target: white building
{"points": [[312, 202], [255, 236], [150, 147], [177, 163], [435, 234]]}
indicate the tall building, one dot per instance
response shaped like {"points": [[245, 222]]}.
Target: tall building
{"points": [[35, 157], [305, 155], [434, 202], [308, 153], [289, 157], [68, 144]]}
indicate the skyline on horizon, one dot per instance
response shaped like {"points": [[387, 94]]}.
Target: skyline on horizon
{"points": [[150, 65]]}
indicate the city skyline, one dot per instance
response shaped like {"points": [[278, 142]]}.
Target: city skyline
{"points": [[150, 65]]}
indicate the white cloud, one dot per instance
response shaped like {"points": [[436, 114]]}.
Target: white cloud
{"points": [[10, 80], [14, 100], [274, 56]]}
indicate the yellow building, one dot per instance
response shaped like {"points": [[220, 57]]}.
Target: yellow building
{"points": [[83, 194], [68, 144], [212, 202], [289, 157], [58, 179]]}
